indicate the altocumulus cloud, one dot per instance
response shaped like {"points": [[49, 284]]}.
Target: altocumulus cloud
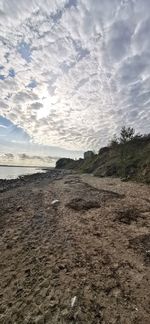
{"points": [[74, 71], [25, 159]]}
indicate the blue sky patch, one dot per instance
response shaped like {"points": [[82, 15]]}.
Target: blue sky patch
{"points": [[71, 3], [11, 131], [2, 77], [12, 73], [25, 51], [32, 84], [7, 56], [4, 121], [57, 16], [82, 52]]}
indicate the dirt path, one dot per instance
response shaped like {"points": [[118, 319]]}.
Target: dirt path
{"points": [[85, 260]]}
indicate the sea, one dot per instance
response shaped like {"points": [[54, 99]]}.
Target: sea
{"points": [[13, 172]]}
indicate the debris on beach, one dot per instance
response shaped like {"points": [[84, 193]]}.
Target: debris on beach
{"points": [[55, 203]]}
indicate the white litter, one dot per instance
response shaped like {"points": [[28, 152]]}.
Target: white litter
{"points": [[55, 202], [73, 300]]}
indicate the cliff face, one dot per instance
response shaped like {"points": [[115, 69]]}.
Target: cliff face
{"points": [[130, 160], [65, 163]]}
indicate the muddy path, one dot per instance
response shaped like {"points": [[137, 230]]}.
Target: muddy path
{"points": [[83, 259]]}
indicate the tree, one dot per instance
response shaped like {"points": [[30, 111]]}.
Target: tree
{"points": [[126, 134], [114, 142]]}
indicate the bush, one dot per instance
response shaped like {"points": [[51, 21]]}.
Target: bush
{"points": [[126, 134]]}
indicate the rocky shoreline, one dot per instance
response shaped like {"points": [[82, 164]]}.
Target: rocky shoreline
{"points": [[50, 174]]}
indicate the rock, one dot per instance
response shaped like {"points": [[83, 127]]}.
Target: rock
{"points": [[43, 292], [9, 245], [19, 291], [53, 303], [40, 320], [82, 204], [148, 253], [65, 312], [28, 272], [128, 215], [124, 179], [19, 208]]}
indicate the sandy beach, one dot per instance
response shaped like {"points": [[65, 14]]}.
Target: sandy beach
{"points": [[74, 249]]}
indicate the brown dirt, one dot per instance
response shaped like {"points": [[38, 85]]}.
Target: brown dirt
{"points": [[84, 260]]}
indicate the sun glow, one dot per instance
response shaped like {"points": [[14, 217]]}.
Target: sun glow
{"points": [[48, 103]]}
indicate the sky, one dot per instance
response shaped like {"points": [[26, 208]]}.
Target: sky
{"points": [[72, 73]]}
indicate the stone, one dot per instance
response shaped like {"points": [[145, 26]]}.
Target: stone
{"points": [[82, 204]]}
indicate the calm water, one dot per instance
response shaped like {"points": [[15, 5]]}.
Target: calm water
{"points": [[14, 172]]}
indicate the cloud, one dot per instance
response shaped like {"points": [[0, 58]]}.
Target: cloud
{"points": [[3, 126], [25, 159], [118, 40], [74, 71], [24, 97]]}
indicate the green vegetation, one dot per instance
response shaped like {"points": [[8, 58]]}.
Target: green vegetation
{"points": [[127, 157]]}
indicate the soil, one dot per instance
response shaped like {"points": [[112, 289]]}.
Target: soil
{"points": [[74, 249]]}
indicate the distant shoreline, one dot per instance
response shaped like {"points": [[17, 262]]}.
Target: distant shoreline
{"points": [[26, 166]]}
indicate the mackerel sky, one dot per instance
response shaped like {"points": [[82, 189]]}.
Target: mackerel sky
{"points": [[72, 72]]}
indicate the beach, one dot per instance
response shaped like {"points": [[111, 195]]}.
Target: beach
{"points": [[74, 249]]}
